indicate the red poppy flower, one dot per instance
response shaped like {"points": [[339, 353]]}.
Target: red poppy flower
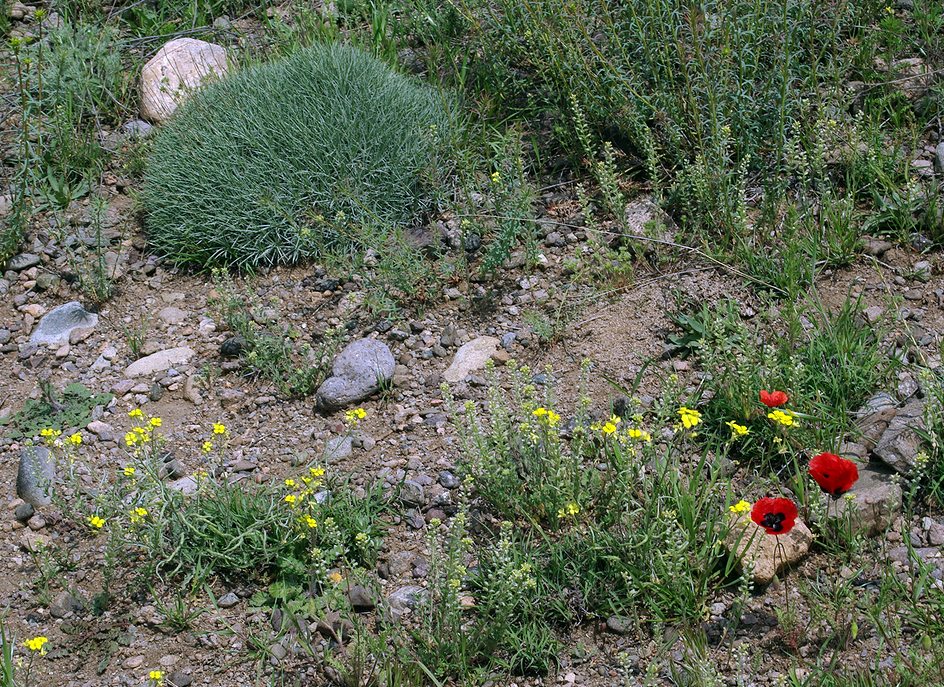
{"points": [[833, 474], [773, 399], [775, 515]]}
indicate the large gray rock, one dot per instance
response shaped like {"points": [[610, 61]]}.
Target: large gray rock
{"points": [[901, 442], [35, 475], [874, 504], [874, 417], [180, 67], [160, 361], [758, 550], [56, 325], [471, 357], [359, 371], [23, 261]]}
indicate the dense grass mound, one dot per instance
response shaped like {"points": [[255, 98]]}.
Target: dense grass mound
{"points": [[282, 161]]}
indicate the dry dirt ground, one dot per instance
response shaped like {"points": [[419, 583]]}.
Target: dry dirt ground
{"points": [[619, 328]]}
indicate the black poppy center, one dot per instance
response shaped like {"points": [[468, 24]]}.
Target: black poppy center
{"points": [[774, 521]]}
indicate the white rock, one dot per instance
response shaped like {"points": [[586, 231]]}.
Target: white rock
{"points": [[471, 357], [160, 361], [759, 550], [179, 67]]}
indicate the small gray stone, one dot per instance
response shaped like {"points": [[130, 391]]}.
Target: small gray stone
{"points": [[185, 485], [64, 605], [23, 261], [619, 624], [179, 678], [360, 598], [136, 128], [228, 600], [404, 600], [56, 325], [24, 512], [35, 475], [413, 494], [359, 371], [448, 480], [900, 442], [338, 449]]}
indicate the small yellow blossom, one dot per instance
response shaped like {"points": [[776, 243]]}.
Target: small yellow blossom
{"points": [[131, 439], [736, 429], [138, 514], [354, 415], [690, 417], [75, 439], [496, 177], [783, 417], [361, 538], [96, 522], [155, 422], [128, 471], [291, 498], [569, 510], [289, 483], [311, 522], [316, 472], [741, 506], [37, 644], [157, 676], [207, 446], [634, 433], [609, 427], [219, 428], [547, 416], [336, 577], [135, 413]]}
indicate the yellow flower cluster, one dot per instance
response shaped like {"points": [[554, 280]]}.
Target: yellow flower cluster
{"points": [[691, 418], [37, 644], [75, 439], [96, 522], [157, 676], [608, 427], [783, 417], [570, 510], [737, 430], [355, 415], [219, 428], [138, 515], [51, 436], [547, 416], [128, 471], [741, 506]]}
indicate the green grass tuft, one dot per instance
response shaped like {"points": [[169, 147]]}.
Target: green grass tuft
{"points": [[286, 160]]}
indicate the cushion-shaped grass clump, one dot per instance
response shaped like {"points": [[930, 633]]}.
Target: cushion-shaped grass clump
{"points": [[284, 160]]}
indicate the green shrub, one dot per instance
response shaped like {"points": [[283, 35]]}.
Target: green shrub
{"points": [[285, 160]]}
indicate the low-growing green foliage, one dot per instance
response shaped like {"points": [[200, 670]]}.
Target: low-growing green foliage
{"points": [[290, 159], [271, 351], [72, 407], [614, 515]]}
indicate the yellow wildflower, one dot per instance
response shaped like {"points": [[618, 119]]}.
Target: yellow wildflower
{"points": [[336, 577], [131, 439], [547, 416], [741, 506], [311, 522], [155, 422], [354, 415], [496, 177], [207, 446], [736, 429], [783, 417], [75, 439], [290, 498], [96, 522], [135, 413], [289, 483], [634, 433], [37, 644], [128, 471], [219, 428], [609, 427], [138, 514], [157, 676], [690, 417], [361, 538], [569, 510], [316, 472]]}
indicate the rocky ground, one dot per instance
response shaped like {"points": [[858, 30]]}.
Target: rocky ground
{"points": [[183, 377]]}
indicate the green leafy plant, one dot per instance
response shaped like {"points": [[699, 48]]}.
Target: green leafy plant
{"points": [[287, 160], [72, 407]]}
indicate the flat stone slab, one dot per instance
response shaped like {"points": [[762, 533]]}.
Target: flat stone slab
{"points": [[471, 357], [160, 361], [56, 325]]}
